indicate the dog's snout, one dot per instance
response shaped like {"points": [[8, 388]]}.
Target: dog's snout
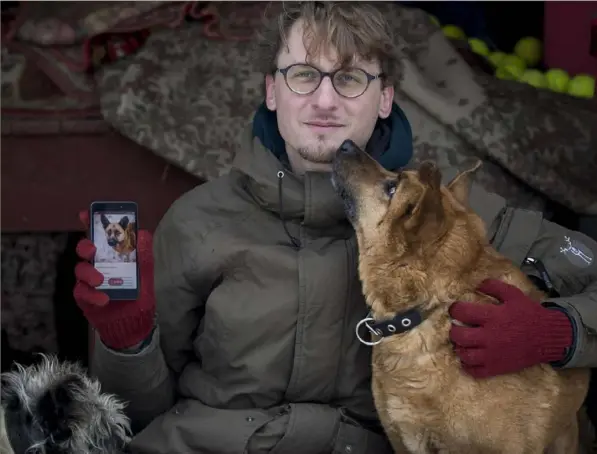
{"points": [[348, 147]]}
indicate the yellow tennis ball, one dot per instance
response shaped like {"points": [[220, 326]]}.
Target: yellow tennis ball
{"points": [[496, 58], [511, 72], [501, 73], [508, 73], [453, 32], [534, 77], [582, 86], [530, 50], [479, 47], [557, 80], [514, 61]]}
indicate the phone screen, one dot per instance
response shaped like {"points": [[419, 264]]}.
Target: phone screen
{"points": [[115, 238]]}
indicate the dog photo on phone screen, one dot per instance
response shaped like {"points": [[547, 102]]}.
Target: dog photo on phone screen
{"points": [[114, 237]]}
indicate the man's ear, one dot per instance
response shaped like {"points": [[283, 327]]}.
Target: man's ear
{"points": [[460, 186], [270, 92], [385, 103]]}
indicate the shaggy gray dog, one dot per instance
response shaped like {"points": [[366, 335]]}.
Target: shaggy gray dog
{"points": [[55, 408]]}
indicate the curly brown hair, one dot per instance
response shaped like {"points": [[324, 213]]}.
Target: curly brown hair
{"points": [[352, 29]]}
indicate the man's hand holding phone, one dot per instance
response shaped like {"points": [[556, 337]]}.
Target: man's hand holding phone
{"points": [[120, 324]]}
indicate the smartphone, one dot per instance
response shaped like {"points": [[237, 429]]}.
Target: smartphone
{"points": [[113, 230]]}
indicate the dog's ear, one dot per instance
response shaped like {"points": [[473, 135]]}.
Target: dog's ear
{"points": [[124, 222], [430, 175], [428, 209], [460, 186], [105, 220]]}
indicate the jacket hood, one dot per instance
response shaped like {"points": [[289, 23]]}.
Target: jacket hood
{"points": [[311, 197]]}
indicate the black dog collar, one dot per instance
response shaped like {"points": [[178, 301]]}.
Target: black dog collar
{"points": [[400, 323]]}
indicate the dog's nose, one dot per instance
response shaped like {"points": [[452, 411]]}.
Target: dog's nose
{"points": [[348, 147]]}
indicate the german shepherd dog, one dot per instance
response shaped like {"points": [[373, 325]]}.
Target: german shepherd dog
{"points": [[120, 236], [421, 247], [54, 408]]}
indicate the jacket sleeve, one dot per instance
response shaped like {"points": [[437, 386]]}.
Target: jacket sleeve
{"points": [[147, 379], [569, 259], [549, 252]]}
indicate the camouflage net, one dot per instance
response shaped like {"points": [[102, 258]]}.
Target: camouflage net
{"points": [[188, 94]]}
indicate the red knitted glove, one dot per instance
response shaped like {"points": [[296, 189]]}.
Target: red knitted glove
{"points": [[120, 324], [509, 337]]}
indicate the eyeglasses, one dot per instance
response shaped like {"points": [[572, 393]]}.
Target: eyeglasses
{"points": [[304, 79]]}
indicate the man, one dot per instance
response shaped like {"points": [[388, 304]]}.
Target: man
{"points": [[256, 286]]}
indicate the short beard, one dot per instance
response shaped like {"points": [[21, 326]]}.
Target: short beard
{"points": [[317, 155]]}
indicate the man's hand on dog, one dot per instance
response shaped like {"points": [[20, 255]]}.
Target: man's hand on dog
{"points": [[120, 324], [508, 337]]}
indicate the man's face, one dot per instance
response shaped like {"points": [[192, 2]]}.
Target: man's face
{"points": [[315, 125]]}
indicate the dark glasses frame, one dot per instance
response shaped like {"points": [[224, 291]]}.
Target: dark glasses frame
{"points": [[331, 75]]}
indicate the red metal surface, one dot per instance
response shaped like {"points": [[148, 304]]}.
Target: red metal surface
{"points": [[568, 30], [46, 180]]}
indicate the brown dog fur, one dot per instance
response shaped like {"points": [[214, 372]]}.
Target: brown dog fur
{"points": [[424, 247], [130, 242]]}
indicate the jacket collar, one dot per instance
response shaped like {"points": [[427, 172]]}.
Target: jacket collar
{"points": [[310, 198]]}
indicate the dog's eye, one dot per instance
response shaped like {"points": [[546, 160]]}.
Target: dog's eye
{"points": [[390, 188]]}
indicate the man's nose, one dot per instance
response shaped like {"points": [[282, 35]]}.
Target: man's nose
{"points": [[326, 97]]}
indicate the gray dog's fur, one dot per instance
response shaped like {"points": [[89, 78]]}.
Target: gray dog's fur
{"points": [[55, 408]]}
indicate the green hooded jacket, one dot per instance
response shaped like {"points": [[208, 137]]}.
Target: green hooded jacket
{"points": [[258, 297]]}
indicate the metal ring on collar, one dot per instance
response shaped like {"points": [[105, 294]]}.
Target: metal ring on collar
{"points": [[366, 321]]}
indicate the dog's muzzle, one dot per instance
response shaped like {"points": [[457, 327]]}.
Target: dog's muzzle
{"points": [[346, 153]]}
